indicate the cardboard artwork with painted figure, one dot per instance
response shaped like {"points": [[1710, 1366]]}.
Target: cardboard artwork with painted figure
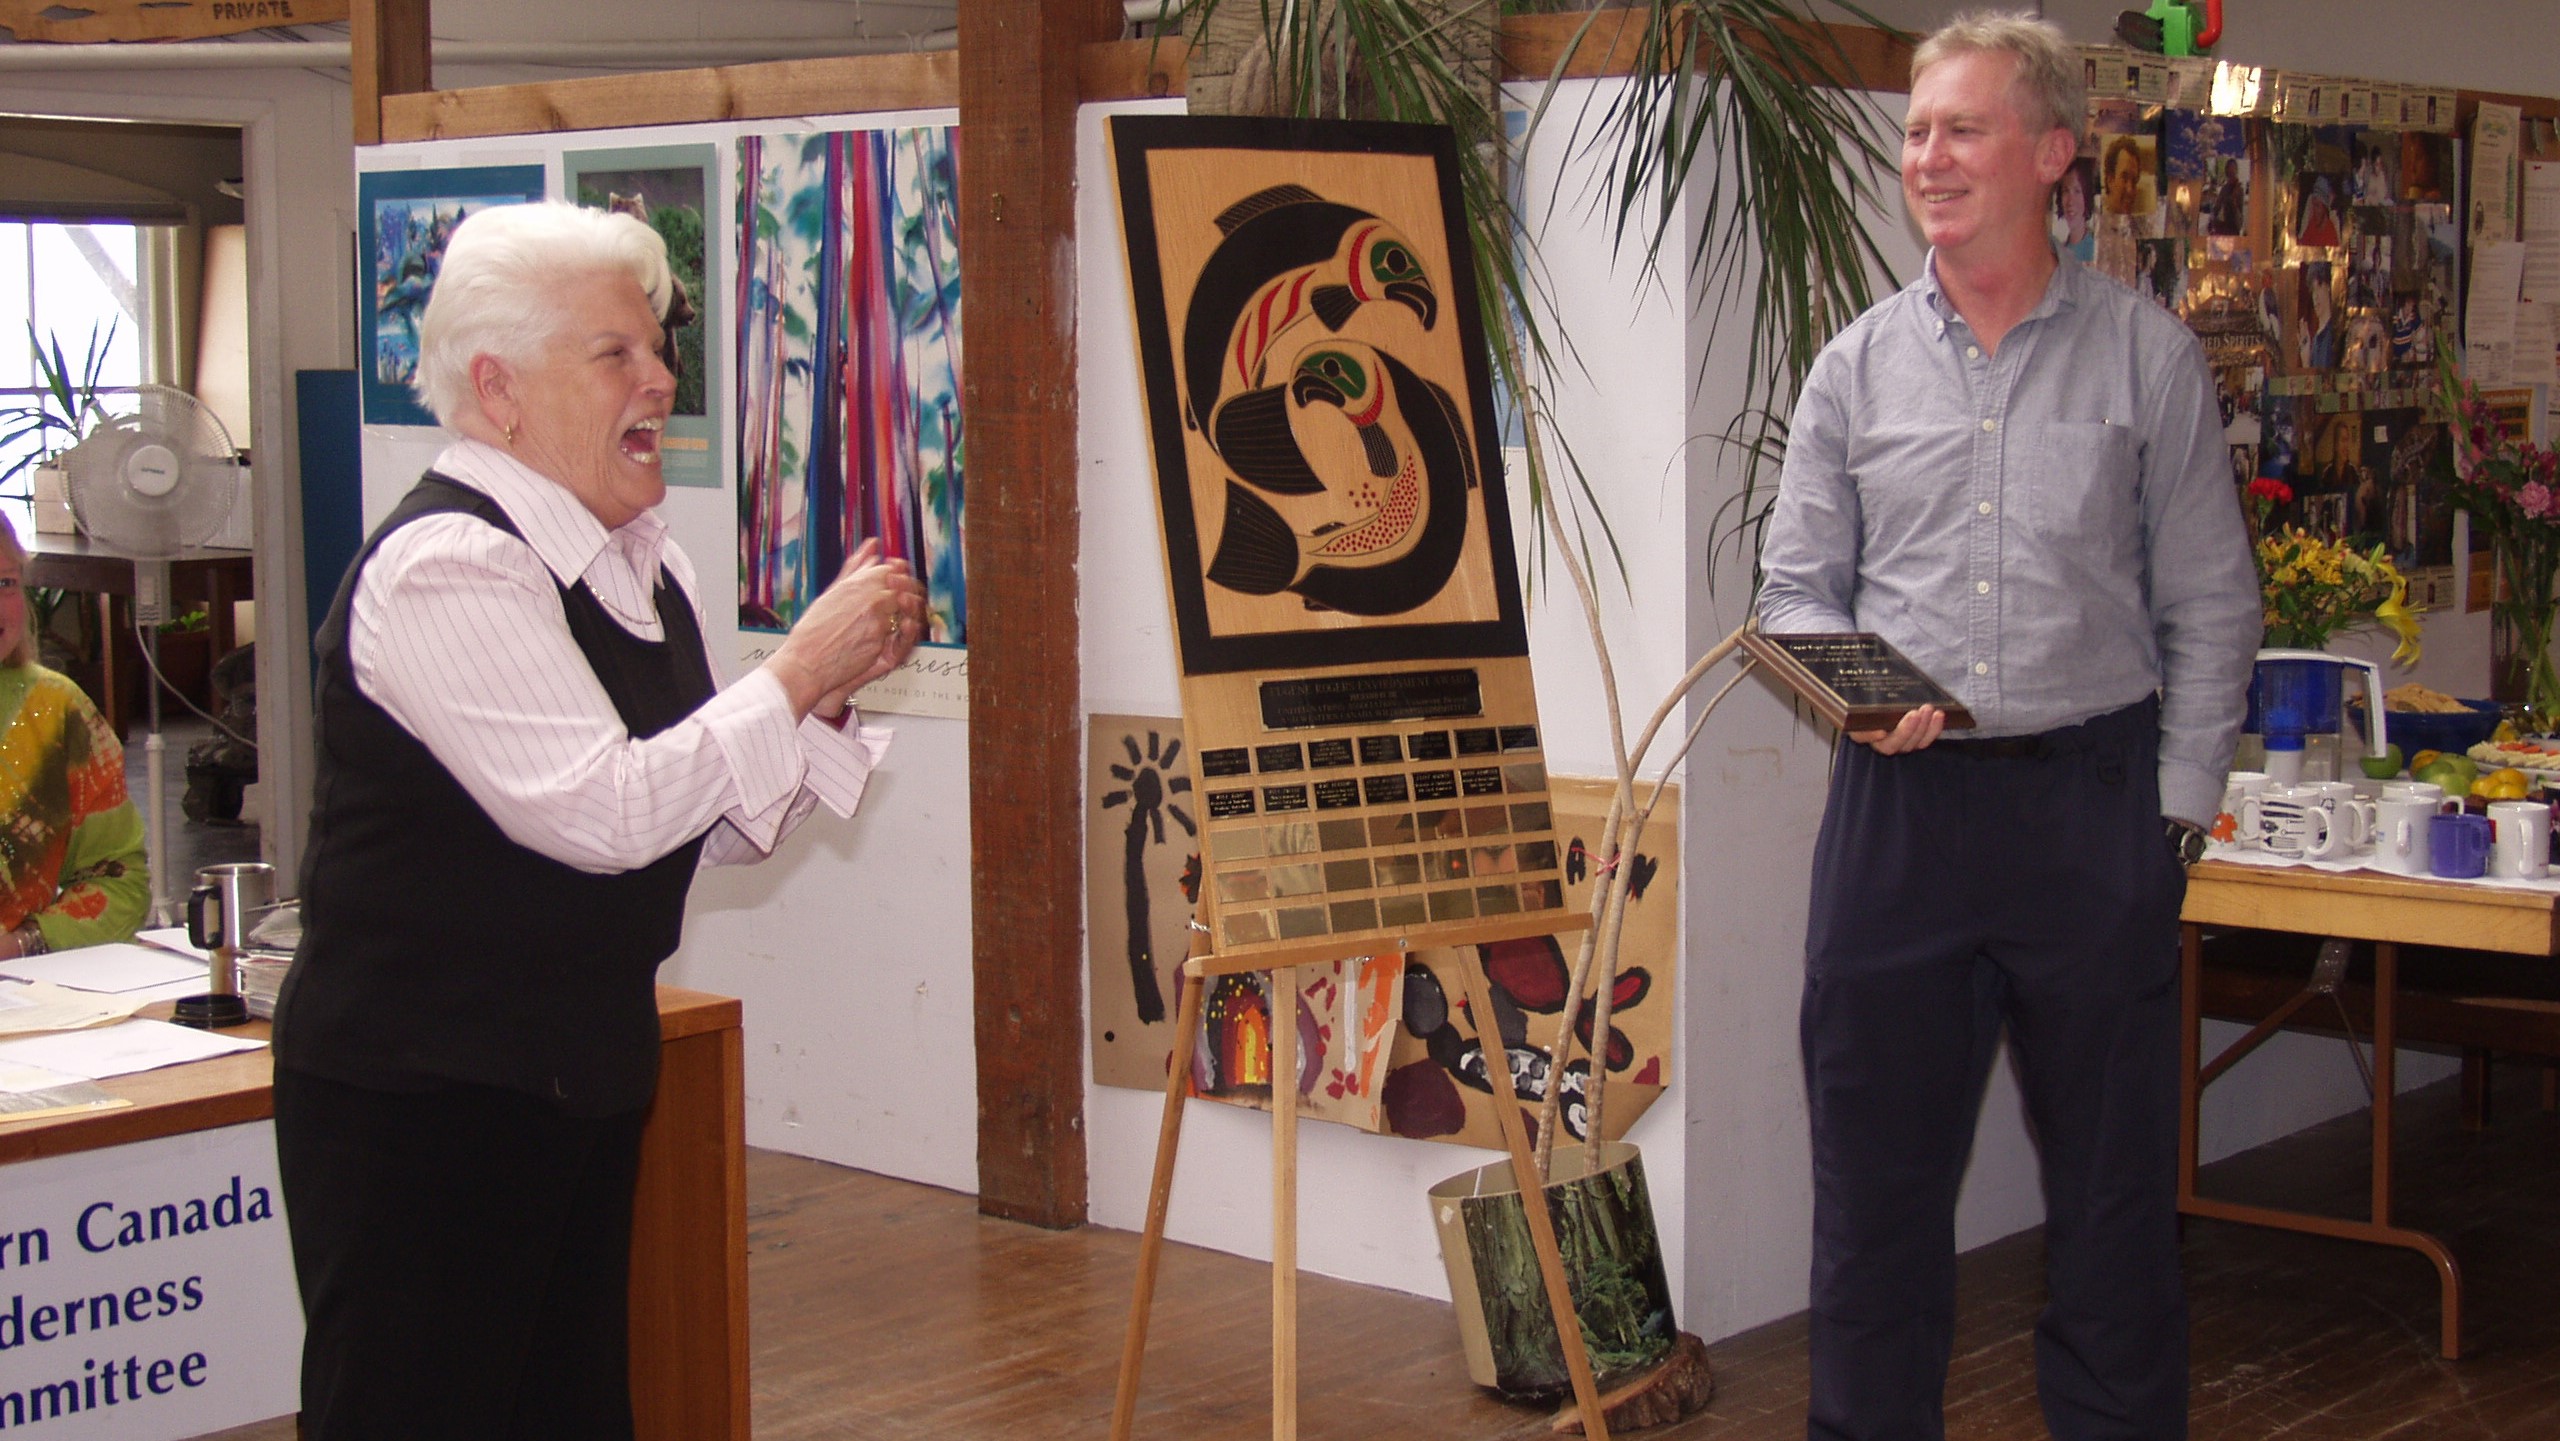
{"points": [[1142, 874], [1419, 1072], [1436, 1088], [1338, 556], [1347, 1020]]}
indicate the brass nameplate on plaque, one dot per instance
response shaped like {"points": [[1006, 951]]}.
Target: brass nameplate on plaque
{"points": [[1306, 702], [1855, 680]]}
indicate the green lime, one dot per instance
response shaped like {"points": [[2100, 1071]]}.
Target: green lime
{"points": [[2454, 773]]}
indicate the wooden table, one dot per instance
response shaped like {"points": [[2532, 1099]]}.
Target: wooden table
{"points": [[689, 1231], [2390, 912], [210, 576]]}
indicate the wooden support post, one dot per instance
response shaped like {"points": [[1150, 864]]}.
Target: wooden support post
{"points": [[1533, 1203], [389, 44], [1026, 748]]}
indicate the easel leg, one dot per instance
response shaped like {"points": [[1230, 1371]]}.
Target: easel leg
{"points": [[1533, 1202], [1177, 1084], [1284, 1204]]}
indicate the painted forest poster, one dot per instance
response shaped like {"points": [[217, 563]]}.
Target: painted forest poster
{"points": [[848, 385]]}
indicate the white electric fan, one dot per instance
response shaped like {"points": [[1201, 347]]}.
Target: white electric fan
{"points": [[147, 484]]}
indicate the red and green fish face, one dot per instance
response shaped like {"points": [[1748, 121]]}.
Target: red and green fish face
{"points": [[1384, 267], [1374, 263], [1355, 475]]}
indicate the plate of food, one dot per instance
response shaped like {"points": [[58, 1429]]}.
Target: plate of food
{"points": [[2536, 756]]}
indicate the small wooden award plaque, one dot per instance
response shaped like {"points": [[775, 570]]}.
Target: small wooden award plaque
{"points": [[1854, 679]]}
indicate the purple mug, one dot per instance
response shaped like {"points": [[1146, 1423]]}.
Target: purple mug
{"points": [[2459, 845]]}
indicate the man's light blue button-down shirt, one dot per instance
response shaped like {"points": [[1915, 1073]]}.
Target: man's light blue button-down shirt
{"points": [[2051, 532]]}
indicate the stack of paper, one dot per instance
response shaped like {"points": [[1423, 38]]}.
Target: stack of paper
{"points": [[57, 1096], [27, 1007], [147, 973], [261, 975], [61, 1004]]}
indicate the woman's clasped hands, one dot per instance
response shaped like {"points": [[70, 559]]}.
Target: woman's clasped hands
{"points": [[858, 630]]}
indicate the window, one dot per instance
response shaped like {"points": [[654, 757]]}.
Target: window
{"points": [[75, 283]]}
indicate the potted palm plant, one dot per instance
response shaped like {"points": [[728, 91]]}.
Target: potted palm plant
{"points": [[34, 432]]}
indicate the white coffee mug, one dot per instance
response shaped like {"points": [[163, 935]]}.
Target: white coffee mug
{"points": [[2238, 786], [2351, 815], [2400, 835], [2288, 824], [2521, 847], [2429, 790]]}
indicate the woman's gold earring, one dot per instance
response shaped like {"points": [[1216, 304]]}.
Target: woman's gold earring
{"points": [[511, 434]]}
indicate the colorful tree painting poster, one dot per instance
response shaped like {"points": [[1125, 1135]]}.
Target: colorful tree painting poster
{"points": [[668, 188], [404, 218], [848, 384]]}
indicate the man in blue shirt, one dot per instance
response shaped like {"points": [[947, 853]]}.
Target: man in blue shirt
{"points": [[2014, 470]]}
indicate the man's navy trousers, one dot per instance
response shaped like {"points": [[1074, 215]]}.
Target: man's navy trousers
{"points": [[2020, 883]]}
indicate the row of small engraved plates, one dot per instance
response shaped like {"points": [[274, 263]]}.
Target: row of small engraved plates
{"points": [[1311, 868], [1243, 929], [1384, 748]]}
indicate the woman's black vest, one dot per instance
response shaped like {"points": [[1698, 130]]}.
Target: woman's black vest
{"points": [[434, 949]]}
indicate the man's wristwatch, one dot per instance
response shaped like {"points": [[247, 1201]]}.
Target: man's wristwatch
{"points": [[2185, 842]]}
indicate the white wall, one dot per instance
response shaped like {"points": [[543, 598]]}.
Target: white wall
{"points": [[851, 946]]}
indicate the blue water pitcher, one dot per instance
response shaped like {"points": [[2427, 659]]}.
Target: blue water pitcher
{"points": [[2294, 696]]}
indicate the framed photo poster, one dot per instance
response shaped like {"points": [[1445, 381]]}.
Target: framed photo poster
{"points": [[403, 219], [668, 188]]}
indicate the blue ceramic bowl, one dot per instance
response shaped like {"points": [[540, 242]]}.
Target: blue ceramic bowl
{"points": [[2450, 731]]}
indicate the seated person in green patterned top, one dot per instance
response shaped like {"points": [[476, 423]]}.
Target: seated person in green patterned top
{"points": [[71, 868]]}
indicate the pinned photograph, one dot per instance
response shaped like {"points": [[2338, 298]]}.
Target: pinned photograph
{"points": [[2206, 161], [2164, 271], [2128, 171], [2075, 207]]}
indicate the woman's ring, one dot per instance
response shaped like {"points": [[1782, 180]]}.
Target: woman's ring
{"points": [[894, 619]]}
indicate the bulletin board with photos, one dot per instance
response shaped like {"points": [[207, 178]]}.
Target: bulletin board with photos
{"points": [[2309, 230]]}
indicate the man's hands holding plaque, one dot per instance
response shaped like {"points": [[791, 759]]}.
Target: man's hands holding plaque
{"points": [[1917, 730]]}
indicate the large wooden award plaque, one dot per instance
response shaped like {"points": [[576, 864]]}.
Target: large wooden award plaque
{"points": [[1337, 544]]}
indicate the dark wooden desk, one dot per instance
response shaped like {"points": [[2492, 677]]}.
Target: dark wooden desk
{"points": [[2390, 912], [209, 576], [689, 1233]]}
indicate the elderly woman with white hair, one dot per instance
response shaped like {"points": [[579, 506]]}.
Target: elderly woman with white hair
{"points": [[523, 758]]}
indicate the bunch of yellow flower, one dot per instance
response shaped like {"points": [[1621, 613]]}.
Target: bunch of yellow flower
{"points": [[2314, 588]]}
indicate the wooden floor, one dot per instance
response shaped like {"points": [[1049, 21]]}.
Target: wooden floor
{"points": [[888, 1310]]}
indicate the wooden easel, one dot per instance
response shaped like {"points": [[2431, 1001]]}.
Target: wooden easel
{"points": [[1196, 972]]}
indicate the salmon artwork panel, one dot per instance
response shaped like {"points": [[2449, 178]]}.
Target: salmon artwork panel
{"points": [[1318, 393], [1347, 615]]}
